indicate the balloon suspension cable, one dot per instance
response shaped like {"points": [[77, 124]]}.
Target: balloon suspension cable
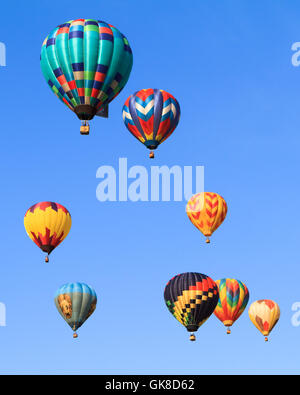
{"points": [[207, 241], [266, 339], [192, 337], [151, 155], [47, 259], [85, 128], [228, 331]]}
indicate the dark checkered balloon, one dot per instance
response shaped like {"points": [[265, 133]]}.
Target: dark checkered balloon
{"points": [[86, 63]]}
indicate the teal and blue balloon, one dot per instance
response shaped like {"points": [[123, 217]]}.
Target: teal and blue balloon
{"points": [[75, 302], [86, 63]]}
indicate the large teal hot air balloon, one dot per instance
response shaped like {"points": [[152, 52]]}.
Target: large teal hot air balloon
{"points": [[75, 302], [86, 63]]}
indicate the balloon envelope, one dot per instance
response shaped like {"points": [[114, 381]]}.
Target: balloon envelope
{"points": [[86, 63], [233, 299], [206, 211], [151, 115], [47, 224], [264, 314], [191, 298]]}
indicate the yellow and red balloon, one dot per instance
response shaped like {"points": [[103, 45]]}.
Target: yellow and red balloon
{"points": [[233, 299], [151, 116], [191, 298]]}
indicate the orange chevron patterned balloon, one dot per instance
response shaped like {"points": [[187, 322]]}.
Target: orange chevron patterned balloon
{"points": [[47, 224], [207, 211], [233, 299], [264, 314]]}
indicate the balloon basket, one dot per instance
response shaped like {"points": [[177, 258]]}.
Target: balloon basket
{"points": [[151, 155], [47, 259], [207, 241], [228, 331], [192, 337], [266, 339], [75, 336]]}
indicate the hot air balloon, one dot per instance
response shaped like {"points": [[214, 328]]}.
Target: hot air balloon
{"points": [[191, 298], [47, 224], [264, 314], [233, 299], [86, 63], [151, 115], [75, 302], [207, 211]]}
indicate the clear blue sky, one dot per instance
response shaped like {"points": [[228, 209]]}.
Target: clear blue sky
{"points": [[228, 63]]}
